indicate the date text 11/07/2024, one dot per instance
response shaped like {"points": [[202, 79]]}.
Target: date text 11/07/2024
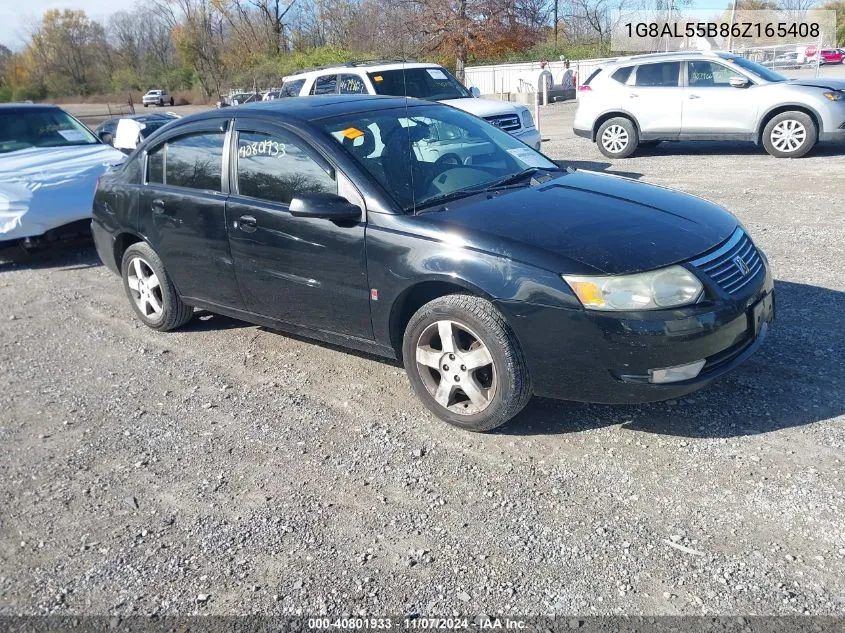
{"points": [[749, 30], [417, 623]]}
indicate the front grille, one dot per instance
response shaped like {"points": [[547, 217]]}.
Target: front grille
{"points": [[733, 265], [507, 122]]}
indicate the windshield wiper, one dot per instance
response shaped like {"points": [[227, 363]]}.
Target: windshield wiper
{"points": [[448, 197], [525, 174]]}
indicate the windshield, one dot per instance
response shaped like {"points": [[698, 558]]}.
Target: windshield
{"points": [[433, 84], [755, 69], [41, 128], [424, 153]]}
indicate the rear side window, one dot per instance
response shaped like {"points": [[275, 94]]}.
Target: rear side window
{"points": [[292, 88], [622, 74], [194, 161], [277, 167], [325, 85], [662, 75], [352, 85], [592, 76]]}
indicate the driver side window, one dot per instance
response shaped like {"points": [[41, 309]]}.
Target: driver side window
{"points": [[278, 167]]}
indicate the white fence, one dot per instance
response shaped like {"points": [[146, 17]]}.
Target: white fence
{"points": [[523, 77]]}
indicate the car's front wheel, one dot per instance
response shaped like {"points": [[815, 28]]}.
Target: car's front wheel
{"points": [[790, 135], [465, 363], [617, 138], [150, 290]]}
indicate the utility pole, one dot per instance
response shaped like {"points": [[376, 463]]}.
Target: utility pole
{"points": [[730, 32]]}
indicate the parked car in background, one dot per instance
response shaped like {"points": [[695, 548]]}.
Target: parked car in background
{"points": [[423, 81], [707, 96], [238, 98], [157, 97], [786, 60], [493, 275], [149, 123], [270, 95], [49, 165], [832, 56]]}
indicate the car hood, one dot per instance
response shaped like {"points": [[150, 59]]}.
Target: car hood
{"points": [[588, 222], [44, 188], [821, 82], [483, 107]]}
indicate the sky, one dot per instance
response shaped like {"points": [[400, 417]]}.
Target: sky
{"points": [[17, 16], [15, 23]]}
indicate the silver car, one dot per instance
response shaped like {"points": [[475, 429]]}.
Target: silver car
{"points": [[645, 99]]}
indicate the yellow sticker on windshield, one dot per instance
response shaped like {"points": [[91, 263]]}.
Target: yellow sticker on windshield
{"points": [[378, 78], [352, 133]]}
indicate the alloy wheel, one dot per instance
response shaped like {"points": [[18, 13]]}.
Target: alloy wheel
{"points": [[145, 288], [788, 135], [456, 367]]}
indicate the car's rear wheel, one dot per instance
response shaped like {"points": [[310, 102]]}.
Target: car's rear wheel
{"points": [[790, 135], [161, 103], [146, 105], [465, 363], [150, 290], [617, 138]]}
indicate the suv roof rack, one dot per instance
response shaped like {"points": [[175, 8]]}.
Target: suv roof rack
{"points": [[355, 64], [627, 58]]}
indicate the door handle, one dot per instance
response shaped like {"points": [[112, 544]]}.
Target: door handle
{"points": [[158, 206], [694, 97], [633, 95], [247, 223]]}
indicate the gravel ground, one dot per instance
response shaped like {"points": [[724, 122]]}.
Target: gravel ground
{"points": [[228, 469]]}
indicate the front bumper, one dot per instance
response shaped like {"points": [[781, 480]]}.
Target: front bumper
{"points": [[530, 137], [589, 356]]}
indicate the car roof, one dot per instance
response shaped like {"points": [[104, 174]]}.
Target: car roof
{"points": [[24, 107], [664, 57], [313, 108], [370, 67]]}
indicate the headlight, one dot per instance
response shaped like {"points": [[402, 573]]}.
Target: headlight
{"points": [[527, 119], [836, 95], [665, 288]]}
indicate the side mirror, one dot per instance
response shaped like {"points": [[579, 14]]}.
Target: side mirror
{"points": [[107, 138], [474, 91], [739, 82], [324, 205]]}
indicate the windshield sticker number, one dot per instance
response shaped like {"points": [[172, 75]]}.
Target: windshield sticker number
{"points": [[436, 73], [529, 157], [261, 148], [73, 136]]}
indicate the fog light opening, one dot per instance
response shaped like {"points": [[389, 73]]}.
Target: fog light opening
{"points": [[676, 373]]}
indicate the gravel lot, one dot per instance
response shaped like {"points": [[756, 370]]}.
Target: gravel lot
{"points": [[229, 469]]}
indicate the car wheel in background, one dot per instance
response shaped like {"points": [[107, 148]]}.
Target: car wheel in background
{"points": [[150, 291], [790, 135], [161, 103], [465, 363], [146, 104], [617, 138]]}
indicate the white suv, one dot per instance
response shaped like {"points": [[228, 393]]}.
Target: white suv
{"points": [[689, 96], [424, 81], [156, 97]]}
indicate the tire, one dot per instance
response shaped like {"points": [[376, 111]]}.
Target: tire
{"points": [[161, 103], [617, 138], [146, 105], [790, 135], [172, 312], [171, 102], [479, 333]]}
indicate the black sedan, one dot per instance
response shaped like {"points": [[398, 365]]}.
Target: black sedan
{"points": [[416, 231]]}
